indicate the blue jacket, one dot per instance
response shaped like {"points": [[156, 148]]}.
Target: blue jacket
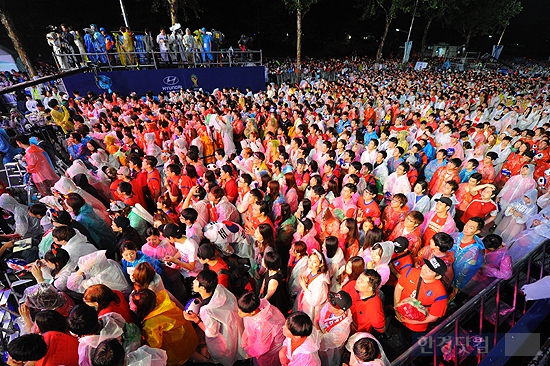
{"points": [[142, 257], [468, 260]]}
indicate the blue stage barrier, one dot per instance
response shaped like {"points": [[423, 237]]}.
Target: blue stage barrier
{"points": [[141, 81]]}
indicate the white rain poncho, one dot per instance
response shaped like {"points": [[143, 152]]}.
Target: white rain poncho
{"points": [[307, 353], [113, 326], [311, 300], [382, 361], [334, 337], [77, 247], [223, 327], [150, 147], [25, 225], [98, 269], [147, 356], [294, 279], [334, 263]]}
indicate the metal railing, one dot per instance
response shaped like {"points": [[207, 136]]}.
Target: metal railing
{"points": [[450, 327], [156, 60]]}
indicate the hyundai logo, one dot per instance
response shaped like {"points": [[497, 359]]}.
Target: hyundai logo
{"points": [[171, 80]]}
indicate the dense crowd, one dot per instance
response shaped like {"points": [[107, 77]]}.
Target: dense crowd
{"points": [[305, 224]]}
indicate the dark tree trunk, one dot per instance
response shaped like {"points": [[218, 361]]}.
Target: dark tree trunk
{"points": [[425, 37], [173, 4], [299, 17], [10, 28], [389, 18], [468, 37]]}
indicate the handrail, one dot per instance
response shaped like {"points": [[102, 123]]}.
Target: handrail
{"points": [[408, 356], [157, 59]]}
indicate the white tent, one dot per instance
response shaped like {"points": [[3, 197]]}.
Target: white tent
{"points": [[7, 61]]}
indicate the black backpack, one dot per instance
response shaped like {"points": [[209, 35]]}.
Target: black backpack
{"points": [[218, 37], [240, 280]]}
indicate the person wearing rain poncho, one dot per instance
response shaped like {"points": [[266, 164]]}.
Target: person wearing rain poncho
{"points": [[95, 268], [334, 256], [65, 186], [91, 330], [95, 43], [537, 231], [314, 283], [515, 188], [301, 345], [497, 263], [78, 167], [81, 180], [164, 327], [42, 296], [113, 149], [218, 318], [38, 165], [354, 361], [516, 214], [77, 244], [225, 128], [263, 329], [468, 251], [151, 148], [381, 254], [25, 225], [101, 160], [6, 148], [83, 212]]}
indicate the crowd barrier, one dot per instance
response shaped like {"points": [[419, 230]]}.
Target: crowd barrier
{"points": [[469, 335]]}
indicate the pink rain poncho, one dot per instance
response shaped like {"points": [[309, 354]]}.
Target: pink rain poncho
{"points": [[263, 335], [40, 169], [515, 188]]}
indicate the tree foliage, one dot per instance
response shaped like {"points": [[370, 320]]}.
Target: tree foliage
{"points": [[431, 10], [299, 5], [483, 17], [172, 7]]}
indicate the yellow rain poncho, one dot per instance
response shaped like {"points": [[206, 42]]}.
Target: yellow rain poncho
{"points": [[166, 328]]}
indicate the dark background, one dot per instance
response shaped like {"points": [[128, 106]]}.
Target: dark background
{"points": [[326, 27]]}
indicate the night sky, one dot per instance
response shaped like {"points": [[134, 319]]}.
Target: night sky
{"points": [[326, 29]]}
